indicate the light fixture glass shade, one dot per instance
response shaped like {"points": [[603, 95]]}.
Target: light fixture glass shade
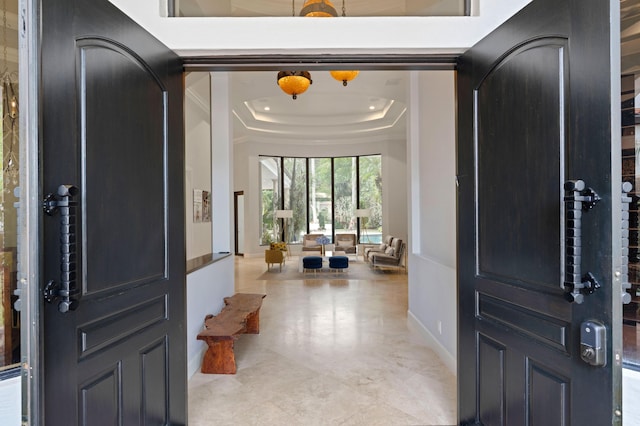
{"points": [[344, 75], [363, 212], [294, 82], [284, 213], [318, 8]]}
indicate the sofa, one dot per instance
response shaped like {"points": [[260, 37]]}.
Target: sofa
{"points": [[391, 257], [378, 249]]}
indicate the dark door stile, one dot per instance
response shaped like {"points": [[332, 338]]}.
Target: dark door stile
{"points": [[535, 110], [112, 126]]}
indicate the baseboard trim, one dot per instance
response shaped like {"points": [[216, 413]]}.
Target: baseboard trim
{"points": [[450, 361], [195, 362]]}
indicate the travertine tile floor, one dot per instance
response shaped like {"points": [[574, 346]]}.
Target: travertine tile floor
{"points": [[329, 352]]}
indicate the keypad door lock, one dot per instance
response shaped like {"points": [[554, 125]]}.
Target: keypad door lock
{"points": [[593, 343]]}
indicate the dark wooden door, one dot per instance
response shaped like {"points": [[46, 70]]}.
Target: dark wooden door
{"points": [[112, 126], [535, 110]]}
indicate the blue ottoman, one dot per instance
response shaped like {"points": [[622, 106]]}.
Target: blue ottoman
{"points": [[338, 262], [311, 262]]}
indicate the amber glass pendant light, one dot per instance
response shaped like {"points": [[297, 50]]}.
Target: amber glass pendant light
{"points": [[294, 83]]}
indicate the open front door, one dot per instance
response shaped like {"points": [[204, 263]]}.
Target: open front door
{"points": [[536, 110], [113, 233]]}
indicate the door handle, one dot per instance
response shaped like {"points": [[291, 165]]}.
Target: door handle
{"points": [[66, 290], [578, 199], [624, 267]]}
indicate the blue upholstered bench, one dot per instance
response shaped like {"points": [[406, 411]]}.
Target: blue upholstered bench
{"points": [[338, 262], [311, 262]]}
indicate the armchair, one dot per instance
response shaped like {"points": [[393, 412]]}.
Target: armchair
{"points": [[271, 257], [309, 243], [346, 243]]}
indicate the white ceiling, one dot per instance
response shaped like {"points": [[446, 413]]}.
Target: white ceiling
{"points": [[326, 112], [371, 107]]}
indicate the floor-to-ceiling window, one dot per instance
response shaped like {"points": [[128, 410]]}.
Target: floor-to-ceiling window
{"points": [[321, 196], [295, 197], [270, 200], [370, 202], [329, 196], [345, 184]]}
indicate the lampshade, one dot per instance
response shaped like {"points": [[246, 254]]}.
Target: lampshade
{"points": [[294, 82], [318, 8], [344, 75], [363, 212], [284, 214]]}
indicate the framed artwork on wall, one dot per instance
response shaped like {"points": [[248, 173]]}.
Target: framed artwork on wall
{"points": [[197, 205]]}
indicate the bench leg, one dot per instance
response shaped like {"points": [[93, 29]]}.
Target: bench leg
{"points": [[252, 325], [219, 358]]}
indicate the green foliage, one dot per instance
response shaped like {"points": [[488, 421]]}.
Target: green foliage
{"points": [[322, 219], [320, 184]]}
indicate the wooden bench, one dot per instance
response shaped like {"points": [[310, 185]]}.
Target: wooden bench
{"points": [[240, 315]]}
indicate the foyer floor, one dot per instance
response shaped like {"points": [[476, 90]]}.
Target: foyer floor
{"points": [[329, 352]]}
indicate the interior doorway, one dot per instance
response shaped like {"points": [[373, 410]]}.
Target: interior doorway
{"points": [[238, 222]]}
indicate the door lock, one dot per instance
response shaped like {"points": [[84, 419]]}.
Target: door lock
{"points": [[593, 343]]}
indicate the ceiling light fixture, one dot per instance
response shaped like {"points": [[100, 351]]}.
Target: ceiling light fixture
{"points": [[318, 8], [294, 83], [344, 75]]}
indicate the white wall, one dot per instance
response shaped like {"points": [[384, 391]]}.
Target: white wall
{"points": [[222, 162], [221, 36], [197, 160], [630, 392], [394, 195], [432, 246], [10, 401], [206, 288]]}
